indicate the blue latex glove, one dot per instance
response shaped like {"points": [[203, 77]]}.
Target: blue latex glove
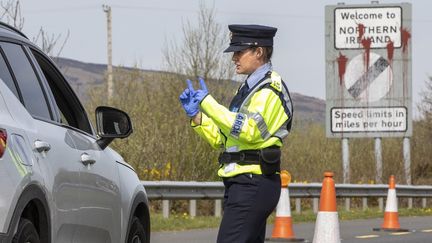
{"points": [[200, 94], [190, 105]]}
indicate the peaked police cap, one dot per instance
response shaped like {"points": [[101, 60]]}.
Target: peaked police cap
{"points": [[245, 36]]}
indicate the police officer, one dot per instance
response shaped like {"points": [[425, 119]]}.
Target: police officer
{"points": [[250, 131]]}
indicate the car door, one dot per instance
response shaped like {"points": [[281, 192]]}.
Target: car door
{"points": [[100, 202], [53, 148], [100, 212]]}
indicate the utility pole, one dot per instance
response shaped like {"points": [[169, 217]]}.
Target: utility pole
{"points": [[107, 10]]}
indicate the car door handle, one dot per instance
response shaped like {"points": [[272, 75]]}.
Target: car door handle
{"points": [[87, 160], [42, 146]]}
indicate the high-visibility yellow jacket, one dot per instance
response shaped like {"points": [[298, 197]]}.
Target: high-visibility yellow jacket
{"points": [[263, 120]]}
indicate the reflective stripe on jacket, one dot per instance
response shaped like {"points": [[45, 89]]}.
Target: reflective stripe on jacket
{"points": [[263, 120]]}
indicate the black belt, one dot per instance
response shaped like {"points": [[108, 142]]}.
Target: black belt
{"points": [[247, 157]]}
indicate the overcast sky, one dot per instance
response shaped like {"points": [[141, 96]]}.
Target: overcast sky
{"points": [[140, 28]]}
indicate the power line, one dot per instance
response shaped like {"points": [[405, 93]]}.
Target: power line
{"points": [[294, 16], [150, 8], [136, 8], [147, 8], [68, 9]]}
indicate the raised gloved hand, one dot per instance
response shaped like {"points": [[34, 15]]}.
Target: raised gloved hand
{"points": [[200, 94], [190, 105]]}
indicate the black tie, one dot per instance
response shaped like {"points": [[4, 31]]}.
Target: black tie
{"points": [[239, 97], [244, 90]]}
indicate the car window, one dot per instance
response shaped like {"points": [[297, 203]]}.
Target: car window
{"points": [[71, 111], [33, 96], [6, 76]]}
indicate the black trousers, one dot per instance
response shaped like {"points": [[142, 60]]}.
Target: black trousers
{"points": [[248, 201]]}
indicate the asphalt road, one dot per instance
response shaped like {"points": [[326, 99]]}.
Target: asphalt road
{"points": [[355, 231]]}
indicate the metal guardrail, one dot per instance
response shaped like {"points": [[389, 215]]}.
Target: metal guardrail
{"points": [[176, 190], [179, 190]]}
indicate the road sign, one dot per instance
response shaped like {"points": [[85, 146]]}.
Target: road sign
{"points": [[369, 119], [368, 85], [380, 24], [368, 70]]}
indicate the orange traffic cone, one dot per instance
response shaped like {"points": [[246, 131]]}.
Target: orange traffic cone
{"points": [[282, 230], [391, 218], [327, 222]]}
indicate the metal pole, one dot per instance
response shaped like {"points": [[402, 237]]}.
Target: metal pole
{"points": [[347, 204], [345, 161], [378, 172], [165, 208], [346, 168], [381, 204], [365, 203], [218, 208], [315, 205], [378, 159], [107, 10], [407, 159], [298, 205], [192, 208]]}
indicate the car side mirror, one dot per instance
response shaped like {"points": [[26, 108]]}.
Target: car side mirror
{"points": [[111, 123]]}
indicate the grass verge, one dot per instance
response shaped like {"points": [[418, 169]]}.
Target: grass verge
{"points": [[179, 222]]}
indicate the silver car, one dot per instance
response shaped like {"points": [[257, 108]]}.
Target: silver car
{"points": [[60, 182]]}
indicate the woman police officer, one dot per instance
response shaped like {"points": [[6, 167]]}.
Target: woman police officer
{"points": [[250, 131]]}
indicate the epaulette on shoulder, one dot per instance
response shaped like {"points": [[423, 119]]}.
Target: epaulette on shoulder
{"points": [[276, 81]]}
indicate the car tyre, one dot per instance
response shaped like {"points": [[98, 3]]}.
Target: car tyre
{"points": [[26, 232], [136, 232]]}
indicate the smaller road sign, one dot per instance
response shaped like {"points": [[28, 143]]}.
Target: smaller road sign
{"points": [[371, 119], [379, 24], [368, 84]]}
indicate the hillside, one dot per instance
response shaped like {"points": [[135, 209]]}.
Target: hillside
{"points": [[83, 76]]}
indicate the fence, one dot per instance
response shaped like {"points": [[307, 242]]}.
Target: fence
{"points": [[192, 191]]}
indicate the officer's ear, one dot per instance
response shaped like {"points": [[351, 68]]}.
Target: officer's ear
{"points": [[259, 52]]}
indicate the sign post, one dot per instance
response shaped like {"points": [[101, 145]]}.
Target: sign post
{"points": [[368, 75]]}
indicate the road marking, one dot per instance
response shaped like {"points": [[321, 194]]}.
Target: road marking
{"points": [[366, 236], [401, 233], [427, 231]]}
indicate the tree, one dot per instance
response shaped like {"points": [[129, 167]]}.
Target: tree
{"points": [[422, 135], [201, 51], [163, 145], [425, 106], [11, 14], [48, 42]]}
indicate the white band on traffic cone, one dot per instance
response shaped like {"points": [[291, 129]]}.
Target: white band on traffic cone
{"points": [[391, 203], [283, 208], [327, 228]]}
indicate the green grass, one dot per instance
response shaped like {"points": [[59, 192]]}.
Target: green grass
{"points": [[308, 216], [178, 222]]}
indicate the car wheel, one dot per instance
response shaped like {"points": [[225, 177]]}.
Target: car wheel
{"points": [[136, 232], [26, 232]]}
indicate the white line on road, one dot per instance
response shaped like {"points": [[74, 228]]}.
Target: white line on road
{"points": [[366, 236], [401, 233]]}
